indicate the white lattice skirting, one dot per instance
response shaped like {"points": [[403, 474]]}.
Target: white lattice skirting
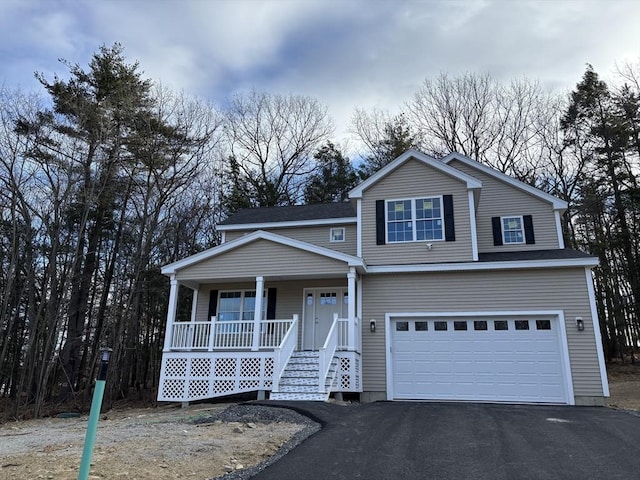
{"points": [[348, 376], [189, 376]]}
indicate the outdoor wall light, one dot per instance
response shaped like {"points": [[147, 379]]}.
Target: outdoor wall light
{"points": [[372, 325], [580, 323], [105, 355]]}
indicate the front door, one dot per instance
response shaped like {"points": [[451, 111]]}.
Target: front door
{"points": [[320, 304]]}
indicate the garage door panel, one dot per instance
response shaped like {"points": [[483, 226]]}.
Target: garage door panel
{"points": [[511, 360]]}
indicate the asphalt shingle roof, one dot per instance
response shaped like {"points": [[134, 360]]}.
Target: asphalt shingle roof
{"points": [[318, 211], [563, 254]]}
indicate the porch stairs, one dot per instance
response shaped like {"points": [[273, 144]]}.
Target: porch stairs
{"points": [[301, 378]]}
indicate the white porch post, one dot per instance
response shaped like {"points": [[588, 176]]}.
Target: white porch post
{"points": [[171, 312], [351, 307], [257, 314]]}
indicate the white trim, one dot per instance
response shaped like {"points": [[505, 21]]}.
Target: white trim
{"points": [[464, 266], [359, 228], [596, 332], [194, 304], [414, 220], [555, 201], [558, 314], [344, 235], [472, 224], [504, 242], [172, 268], [421, 157], [223, 236], [556, 215], [293, 223], [257, 312], [171, 312]]}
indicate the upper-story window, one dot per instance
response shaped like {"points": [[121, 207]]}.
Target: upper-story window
{"points": [[512, 230], [337, 235], [415, 219]]}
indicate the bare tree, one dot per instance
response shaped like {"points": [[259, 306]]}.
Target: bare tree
{"points": [[272, 139], [490, 122]]}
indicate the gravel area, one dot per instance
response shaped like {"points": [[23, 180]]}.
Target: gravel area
{"points": [[248, 413]]}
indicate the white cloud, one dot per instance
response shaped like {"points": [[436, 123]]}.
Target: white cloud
{"points": [[347, 54]]}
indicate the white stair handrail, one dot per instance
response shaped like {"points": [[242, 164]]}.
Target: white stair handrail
{"points": [[326, 354], [283, 352]]}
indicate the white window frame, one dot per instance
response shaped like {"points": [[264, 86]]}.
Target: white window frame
{"points": [[502, 230], [243, 293], [332, 239], [413, 219]]}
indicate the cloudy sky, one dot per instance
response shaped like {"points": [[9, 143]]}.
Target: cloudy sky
{"points": [[346, 53]]}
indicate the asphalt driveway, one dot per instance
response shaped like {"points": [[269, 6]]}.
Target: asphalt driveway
{"points": [[441, 441]]}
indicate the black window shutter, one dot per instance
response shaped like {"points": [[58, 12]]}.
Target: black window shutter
{"points": [[213, 303], [528, 229], [449, 226], [380, 226], [271, 304], [497, 230]]}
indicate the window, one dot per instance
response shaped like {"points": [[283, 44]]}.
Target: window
{"points": [[240, 305], [414, 220], [479, 324], [522, 324], [500, 325], [543, 324], [336, 235], [422, 326], [402, 326], [512, 230], [440, 326], [460, 325]]}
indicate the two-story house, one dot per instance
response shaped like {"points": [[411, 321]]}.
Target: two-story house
{"points": [[440, 279]]}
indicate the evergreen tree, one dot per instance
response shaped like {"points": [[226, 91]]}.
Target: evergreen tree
{"points": [[397, 137], [334, 177]]}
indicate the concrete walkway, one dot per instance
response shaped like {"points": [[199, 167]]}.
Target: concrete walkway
{"points": [[441, 441]]}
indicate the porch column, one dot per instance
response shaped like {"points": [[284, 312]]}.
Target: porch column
{"points": [[171, 312], [257, 313], [351, 307]]}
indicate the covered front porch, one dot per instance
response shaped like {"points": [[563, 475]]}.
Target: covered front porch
{"points": [[235, 340]]}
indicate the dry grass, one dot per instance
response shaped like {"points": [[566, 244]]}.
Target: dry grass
{"points": [[624, 385]]}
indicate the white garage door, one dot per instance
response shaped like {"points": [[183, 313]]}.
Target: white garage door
{"points": [[482, 359]]}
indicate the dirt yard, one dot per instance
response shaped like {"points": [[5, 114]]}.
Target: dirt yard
{"points": [[167, 442], [624, 386], [200, 442]]}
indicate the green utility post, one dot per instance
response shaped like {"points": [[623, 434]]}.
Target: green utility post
{"points": [[94, 415]]}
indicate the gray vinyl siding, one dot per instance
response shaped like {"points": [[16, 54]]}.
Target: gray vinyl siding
{"points": [[289, 296], [415, 180], [499, 199], [515, 290], [262, 258], [318, 235]]}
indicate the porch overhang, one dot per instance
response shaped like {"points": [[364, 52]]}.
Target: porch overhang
{"points": [[262, 253]]}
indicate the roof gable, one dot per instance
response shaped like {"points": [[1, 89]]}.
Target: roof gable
{"points": [[172, 268], [557, 203], [471, 182]]}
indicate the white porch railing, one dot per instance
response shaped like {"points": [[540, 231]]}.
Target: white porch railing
{"points": [[348, 338], [228, 335], [327, 352], [283, 352]]}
